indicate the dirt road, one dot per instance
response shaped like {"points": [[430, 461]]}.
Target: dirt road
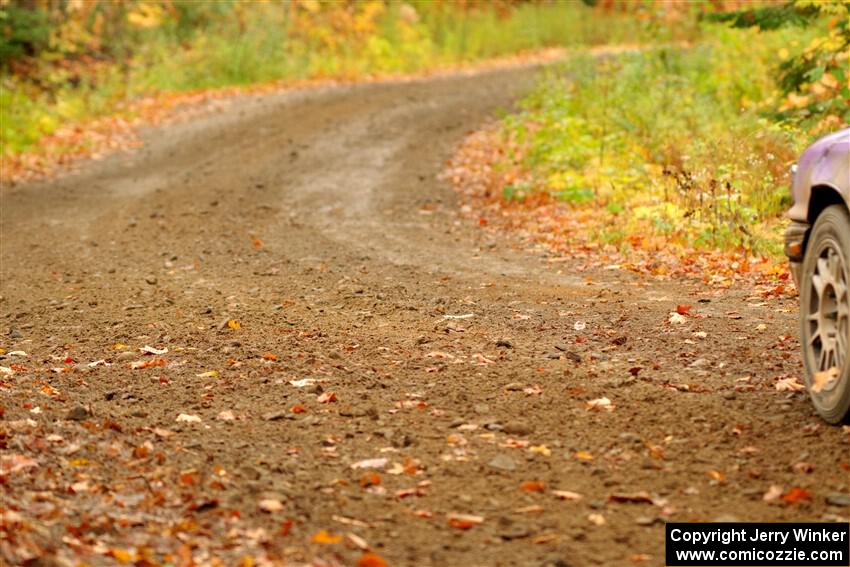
{"points": [[299, 249]]}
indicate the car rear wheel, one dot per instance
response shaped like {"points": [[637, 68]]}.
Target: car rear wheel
{"points": [[825, 314]]}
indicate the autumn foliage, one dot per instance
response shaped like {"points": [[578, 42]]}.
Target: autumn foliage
{"points": [[85, 73]]}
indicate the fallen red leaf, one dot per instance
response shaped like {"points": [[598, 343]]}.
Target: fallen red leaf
{"points": [[635, 498], [371, 560], [285, 528], [298, 408], [797, 495], [683, 309], [532, 486], [405, 492]]}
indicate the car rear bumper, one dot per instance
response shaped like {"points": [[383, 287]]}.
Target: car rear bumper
{"points": [[795, 246]]}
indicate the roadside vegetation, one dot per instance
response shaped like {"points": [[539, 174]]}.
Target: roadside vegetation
{"points": [[670, 146], [66, 62]]}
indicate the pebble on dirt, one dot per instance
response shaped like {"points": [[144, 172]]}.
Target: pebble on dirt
{"points": [[78, 413], [503, 463], [838, 499]]}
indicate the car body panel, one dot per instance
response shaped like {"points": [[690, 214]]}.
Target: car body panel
{"points": [[826, 163], [822, 176]]}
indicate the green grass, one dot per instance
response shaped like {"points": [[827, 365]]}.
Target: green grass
{"points": [[224, 44], [672, 142]]}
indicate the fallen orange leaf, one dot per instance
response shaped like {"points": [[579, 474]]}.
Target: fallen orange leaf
{"points": [[464, 521], [411, 466], [532, 486], [655, 451], [545, 538], [373, 479], [121, 555], [716, 475], [324, 537], [147, 363]]}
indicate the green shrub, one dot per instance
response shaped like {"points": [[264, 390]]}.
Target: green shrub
{"points": [[674, 141], [22, 32]]}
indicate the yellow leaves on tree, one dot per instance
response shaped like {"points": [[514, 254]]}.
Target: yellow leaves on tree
{"points": [[146, 15]]}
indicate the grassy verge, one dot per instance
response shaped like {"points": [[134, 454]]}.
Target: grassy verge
{"points": [[177, 47], [663, 145]]}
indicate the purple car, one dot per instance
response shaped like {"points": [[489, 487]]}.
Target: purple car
{"points": [[817, 244]]}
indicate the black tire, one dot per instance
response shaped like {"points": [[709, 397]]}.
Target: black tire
{"points": [[825, 314]]}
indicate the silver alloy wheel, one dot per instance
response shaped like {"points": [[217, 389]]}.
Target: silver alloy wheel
{"points": [[825, 313], [828, 311]]}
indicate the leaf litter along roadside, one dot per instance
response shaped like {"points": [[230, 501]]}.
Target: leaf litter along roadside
{"points": [[565, 233], [120, 478]]}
